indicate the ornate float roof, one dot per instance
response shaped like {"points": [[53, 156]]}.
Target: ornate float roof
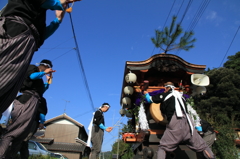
{"points": [[165, 60], [161, 68]]}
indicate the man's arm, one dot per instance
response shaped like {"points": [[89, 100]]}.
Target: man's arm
{"points": [[97, 120], [53, 5], [159, 98], [54, 25], [38, 75], [108, 129], [42, 120]]}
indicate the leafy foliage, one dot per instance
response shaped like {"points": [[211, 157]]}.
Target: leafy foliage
{"points": [[233, 62], [223, 93], [221, 107], [120, 147], [166, 39], [224, 146], [125, 151]]}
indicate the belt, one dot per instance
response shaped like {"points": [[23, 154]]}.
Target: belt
{"points": [[31, 92]]}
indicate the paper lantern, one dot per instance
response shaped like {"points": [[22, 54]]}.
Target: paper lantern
{"points": [[128, 90], [130, 78], [126, 101], [122, 112]]}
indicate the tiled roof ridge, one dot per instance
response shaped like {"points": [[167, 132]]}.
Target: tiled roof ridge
{"points": [[63, 116], [81, 141]]}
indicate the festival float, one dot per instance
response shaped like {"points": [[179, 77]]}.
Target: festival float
{"points": [[145, 122]]}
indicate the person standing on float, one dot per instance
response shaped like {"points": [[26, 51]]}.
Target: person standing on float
{"points": [[180, 127]]}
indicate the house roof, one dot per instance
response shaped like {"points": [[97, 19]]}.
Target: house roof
{"points": [[67, 147], [63, 116], [39, 133], [80, 141]]}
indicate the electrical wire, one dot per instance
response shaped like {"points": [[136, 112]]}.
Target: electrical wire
{"points": [[82, 114], [180, 7], [81, 64], [186, 10], [229, 46], [165, 22], [62, 54], [52, 48], [198, 15], [169, 14], [196, 18]]}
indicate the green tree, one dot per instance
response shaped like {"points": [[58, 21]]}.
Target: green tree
{"points": [[233, 62], [220, 106], [166, 40], [123, 149]]}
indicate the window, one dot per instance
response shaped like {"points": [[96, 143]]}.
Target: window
{"points": [[41, 146], [57, 156], [32, 146]]}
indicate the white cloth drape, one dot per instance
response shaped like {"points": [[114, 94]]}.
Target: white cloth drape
{"points": [[90, 132], [195, 117], [142, 118]]}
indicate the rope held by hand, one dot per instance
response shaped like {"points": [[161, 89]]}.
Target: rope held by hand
{"points": [[69, 9]]}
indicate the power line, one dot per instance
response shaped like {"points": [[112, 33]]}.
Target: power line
{"points": [[82, 114], [53, 48], [169, 14], [198, 15], [165, 22], [196, 18], [180, 8], [229, 46], [81, 64], [186, 10], [63, 54]]}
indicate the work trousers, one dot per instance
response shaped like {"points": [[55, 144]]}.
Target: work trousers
{"points": [[178, 131], [209, 137], [23, 148], [15, 56], [23, 116], [97, 140]]}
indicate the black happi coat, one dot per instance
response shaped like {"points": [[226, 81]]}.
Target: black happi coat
{"points": [[36, 86], [33, 85], [168, 106], [31, 12], [98, 119]]}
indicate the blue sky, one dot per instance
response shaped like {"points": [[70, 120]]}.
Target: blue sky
{"points": [[111, 32]]}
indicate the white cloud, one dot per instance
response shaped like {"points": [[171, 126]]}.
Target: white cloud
{"points": [[212, 15]]}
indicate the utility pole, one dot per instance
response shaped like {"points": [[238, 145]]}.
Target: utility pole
{"points": [[118, 140]]}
